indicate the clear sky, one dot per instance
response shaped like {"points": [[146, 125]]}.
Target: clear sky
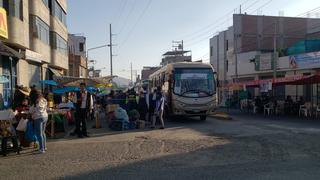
{"points": [[145, 28]]}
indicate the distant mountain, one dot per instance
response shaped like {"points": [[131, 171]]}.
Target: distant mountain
{"points": [[122, 82]]}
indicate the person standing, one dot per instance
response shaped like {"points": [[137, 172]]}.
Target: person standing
{"points": [[83, 107], [159, 110], [38, 110], [132, 100], [142, 105], [152, 100], [33, 95]]}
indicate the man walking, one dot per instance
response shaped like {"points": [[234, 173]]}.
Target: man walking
{"points": [[159, 110], [83, 106]]}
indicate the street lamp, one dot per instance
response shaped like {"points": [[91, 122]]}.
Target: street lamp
{"points": [[94, 48]]}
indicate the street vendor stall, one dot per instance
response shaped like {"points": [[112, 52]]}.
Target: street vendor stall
{"points": [[56, 117], [8, 132]]}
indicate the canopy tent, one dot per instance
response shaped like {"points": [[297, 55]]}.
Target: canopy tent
{"points": [[49, 82], [92, 90], [289, 80], [75, 82]]}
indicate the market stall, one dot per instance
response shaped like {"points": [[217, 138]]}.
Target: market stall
{"points": [[8, 132]]}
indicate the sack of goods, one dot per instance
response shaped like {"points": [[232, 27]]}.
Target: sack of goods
{"points": [[22, 126], [141, 124], [112, 107], [134, 115], [121, 114]]}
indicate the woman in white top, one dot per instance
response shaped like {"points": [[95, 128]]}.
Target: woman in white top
{"points": [[39, 114]]}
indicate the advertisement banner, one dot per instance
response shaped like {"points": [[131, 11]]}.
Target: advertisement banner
{"points": [[305, 61], [3, 23], [265, 62]]}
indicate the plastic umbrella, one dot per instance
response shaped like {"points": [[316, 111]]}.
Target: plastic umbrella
{"points": [[73, 89], [65, 90], [49, 82]]}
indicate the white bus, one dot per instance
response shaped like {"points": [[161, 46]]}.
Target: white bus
{"points": [[190, 88]]}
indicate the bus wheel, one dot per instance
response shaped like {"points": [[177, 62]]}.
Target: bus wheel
{"points": [[203, 118]]}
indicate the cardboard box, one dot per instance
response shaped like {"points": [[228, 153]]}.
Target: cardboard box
{"points": [[141, 124], [112, 107]]}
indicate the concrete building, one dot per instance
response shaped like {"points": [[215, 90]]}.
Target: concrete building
{"points": [[253, 37], [175, 56], [36, 46], [77, 56], [147, 71]]}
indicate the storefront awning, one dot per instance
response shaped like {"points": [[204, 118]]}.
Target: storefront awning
{"points": [[289, 80], [55, 72], [8, 51], [75, 81]]}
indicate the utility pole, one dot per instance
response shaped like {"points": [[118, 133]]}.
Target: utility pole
{"points": [[131, 72], [275, 57], [110, 45]]}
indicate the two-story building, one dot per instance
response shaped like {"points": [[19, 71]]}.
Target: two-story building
{"points": [[244, 52]]}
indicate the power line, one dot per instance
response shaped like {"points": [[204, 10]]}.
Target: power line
{"points": [[212, 24], [137, 22], [264, 5], [218, 26], [251, 5], [127, 17], [305, 13], [203, 39], [120, 10]]}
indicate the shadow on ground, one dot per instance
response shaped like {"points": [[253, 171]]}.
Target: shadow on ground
{"points": [[241, 158]]}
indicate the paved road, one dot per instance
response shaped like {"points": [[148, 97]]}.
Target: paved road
{"points": [[249, 147]]}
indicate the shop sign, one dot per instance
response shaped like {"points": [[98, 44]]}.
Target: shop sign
{"points": [[3, 23], [33, 56], [265, 62], [305, 61], [265, 87]]}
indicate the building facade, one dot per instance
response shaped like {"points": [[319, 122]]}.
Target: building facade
{"points": [[244, 52], [176, 56], [147, 71], [37, 42], [77, 56]]}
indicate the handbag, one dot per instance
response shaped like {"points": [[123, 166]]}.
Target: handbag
{"points": [[22, 126]]}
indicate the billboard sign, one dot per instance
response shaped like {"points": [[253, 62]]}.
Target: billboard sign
{"points": [[3, 23], [305, 61]]}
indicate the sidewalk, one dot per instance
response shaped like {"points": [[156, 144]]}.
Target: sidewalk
{"points": [[236, 114]]}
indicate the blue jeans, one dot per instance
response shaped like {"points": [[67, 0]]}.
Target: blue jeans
{"points": [[40, 128]]}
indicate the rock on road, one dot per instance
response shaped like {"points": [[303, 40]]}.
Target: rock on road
{"points": [[246, 148]]}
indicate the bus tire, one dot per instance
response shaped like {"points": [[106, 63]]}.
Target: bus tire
{"points": [[203, 118]]}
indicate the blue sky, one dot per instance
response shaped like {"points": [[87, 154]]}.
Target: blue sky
{"points": [[145, 28]]}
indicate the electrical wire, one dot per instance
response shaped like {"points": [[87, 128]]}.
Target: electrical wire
{"points": [[136, 23], [212, 24], [127, 17], [203, 39]]}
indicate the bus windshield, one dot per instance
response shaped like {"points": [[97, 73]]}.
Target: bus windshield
{"points": [[194, 82]]}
